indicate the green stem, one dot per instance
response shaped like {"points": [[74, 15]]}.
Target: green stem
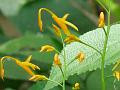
{"points": [[64, 85], [71, 61], [63, 78], [45, 9], [104, 54], [54, 82], [90, 47], [64, 56], [105, 32], [102, 5], [57, 51]]}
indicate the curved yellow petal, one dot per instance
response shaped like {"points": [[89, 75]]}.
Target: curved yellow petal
{"points": [[61, 24], [40, 24], [65, 16], [65, 29], [38, 77], [1, 70], [39, 20], [72, 25], [47, 48], [33, 66], [28, 59], [26, 68], [57, 30], [71, 38]]}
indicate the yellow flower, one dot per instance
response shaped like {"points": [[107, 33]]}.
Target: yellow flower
{"points": [[38, 77], [57, 30], [101, 21], [116, 74], [57, 60], [1, 69], [26, 65], [39, 20], [80, 56], [77, 86], [71, 38], [47, 48], [62, 23]]}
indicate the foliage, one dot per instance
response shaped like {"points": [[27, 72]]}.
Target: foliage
{"points": [[93, 59], [12, 7], [24, 46], [21, 15]]}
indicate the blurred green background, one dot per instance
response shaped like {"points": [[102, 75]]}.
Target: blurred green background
{"points": [[20, 37]]}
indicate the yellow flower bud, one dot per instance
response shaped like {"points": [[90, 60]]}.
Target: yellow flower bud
{"points": [[77, 86], [39, 20], [38, 77], [116, 74], [71, 38], [101, 21], [65, 16], [57, 30], [1, 69], [57, 60], [47, 48], [80, 57]]}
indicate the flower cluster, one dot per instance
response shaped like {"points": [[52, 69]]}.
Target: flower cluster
{"points": [[26, 65], [62, 24]]}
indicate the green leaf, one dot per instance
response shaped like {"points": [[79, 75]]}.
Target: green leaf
{"points": [[24, 46], [95, 85], [11, 7], [93, 59]]}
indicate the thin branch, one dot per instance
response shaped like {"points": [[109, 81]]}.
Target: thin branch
{"points": [[102, 5], [90, 47]]}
